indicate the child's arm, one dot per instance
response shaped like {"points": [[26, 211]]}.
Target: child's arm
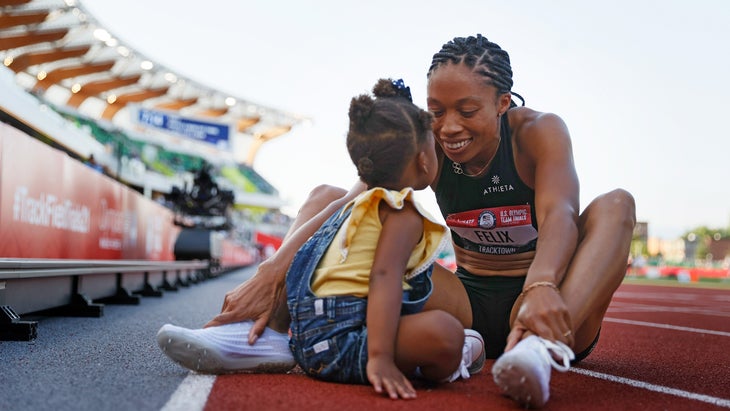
{"points": [[402, 229]]}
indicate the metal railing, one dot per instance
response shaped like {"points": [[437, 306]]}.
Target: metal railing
{"points": [[81, 288]]}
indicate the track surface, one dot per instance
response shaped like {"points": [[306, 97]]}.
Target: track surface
{"points": [[661, 347]]}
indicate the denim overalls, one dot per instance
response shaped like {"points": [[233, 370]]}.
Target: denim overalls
{"points": [[329, 334]]}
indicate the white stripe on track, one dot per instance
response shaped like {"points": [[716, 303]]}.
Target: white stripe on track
{"points": [[667, 326], [192, 394], [721, 402]]}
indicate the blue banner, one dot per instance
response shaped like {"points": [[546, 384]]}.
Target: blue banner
{"points": [[213, 133]]}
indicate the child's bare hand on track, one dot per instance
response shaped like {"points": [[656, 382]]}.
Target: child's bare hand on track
{"points": [[386, 378]]}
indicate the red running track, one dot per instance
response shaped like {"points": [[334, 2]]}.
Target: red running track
{"points": [[661, 348]]}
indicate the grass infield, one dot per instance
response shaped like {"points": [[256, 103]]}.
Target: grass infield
{"points": [[718, 283]]}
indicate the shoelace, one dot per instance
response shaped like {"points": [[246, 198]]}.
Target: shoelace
{"points": [[559, 349], [463, 370]]}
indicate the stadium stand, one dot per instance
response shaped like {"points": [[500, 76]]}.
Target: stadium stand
{"points": [[74, 95]]}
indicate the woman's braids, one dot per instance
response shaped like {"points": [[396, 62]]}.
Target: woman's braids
{"points": [[481, 55], [385, 132]]}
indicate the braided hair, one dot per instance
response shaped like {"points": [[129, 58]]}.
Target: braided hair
{"points": [[482, 56], [385, 132]]}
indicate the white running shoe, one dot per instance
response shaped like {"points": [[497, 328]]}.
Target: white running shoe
{"points": [[473, 356], [523, 373], [225, 349]]}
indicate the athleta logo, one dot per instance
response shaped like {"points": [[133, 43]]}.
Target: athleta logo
{"points": [[497, 187]]}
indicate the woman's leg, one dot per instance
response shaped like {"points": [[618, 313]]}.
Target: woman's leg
{"points": [[318, 200], [255, 310], [605, 229], [449, 295], [262, 297], [599, 264]]}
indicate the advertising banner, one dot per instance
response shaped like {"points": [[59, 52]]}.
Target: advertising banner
{"points": [[217, 134], [53, 206], [154, 232], [235, 255], [36, 217]]}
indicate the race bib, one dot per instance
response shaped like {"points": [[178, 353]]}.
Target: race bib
{"points": [[498, 230]]}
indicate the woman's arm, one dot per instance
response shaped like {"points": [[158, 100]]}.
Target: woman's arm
{"points": [[402, 229], [545, 149], [263, 294]]}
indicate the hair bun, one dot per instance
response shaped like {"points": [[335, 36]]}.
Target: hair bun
{"points": [[392, 88], [364, 166], [360, 109]]}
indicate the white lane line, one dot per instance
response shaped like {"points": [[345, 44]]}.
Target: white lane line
{"points": [[721, 402], [667, 326], [192, 394]]}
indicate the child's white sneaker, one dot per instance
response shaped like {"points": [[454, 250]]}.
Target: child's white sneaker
{"points": [[225, 349], [473, 356], [523, 373]]}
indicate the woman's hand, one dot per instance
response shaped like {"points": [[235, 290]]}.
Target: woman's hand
{"points": [[387, 378], [255, 299], [543, 312]]}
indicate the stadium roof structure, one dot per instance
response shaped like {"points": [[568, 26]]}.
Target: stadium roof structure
{"points": [[59, 52]]}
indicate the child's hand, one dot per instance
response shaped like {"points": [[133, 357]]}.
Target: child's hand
{"points": [[383, 373]]}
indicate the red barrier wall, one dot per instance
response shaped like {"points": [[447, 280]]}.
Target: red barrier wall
{"points": [[235, 255], [52, 206]]}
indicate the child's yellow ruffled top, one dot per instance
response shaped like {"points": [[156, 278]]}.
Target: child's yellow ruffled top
{"points": [[345, 266]]}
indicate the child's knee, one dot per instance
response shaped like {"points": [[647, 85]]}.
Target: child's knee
{"points": [[447, 334]]}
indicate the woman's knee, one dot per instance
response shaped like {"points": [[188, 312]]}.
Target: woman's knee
{"points": [[326, 193], [623, 199], [614, 207], [319, 198]]}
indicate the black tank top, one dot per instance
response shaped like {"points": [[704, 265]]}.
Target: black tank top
{"points": [[492, 214]]}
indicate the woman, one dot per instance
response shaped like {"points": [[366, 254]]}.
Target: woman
{"points": [[531, 296], [515, 165]]}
